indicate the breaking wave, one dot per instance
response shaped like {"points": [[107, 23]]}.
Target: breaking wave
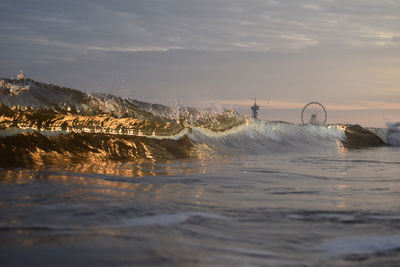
{"points": [[24, 147], [261, 137], [47, 123], [393, 134]]}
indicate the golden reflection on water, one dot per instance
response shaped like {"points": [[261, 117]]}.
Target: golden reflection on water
{"points": [[27, 242], [18, 176], [97, 179], [340, 203], [342, 186], [137, 169]]}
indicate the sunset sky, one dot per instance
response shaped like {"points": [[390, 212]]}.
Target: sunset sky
{"points": [[343, 53]]}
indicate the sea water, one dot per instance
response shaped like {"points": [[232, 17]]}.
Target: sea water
{"points": [[258, 196]]}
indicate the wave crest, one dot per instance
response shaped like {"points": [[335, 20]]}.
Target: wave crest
{"points": [[393, 134], [259, 137]]}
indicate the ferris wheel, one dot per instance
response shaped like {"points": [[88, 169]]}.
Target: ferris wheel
{"points": [[314, 113]]}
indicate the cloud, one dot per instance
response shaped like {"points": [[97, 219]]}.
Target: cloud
{"points": [[254, 25], [134, 48], [210, 49], [396, 39], [311, 6]]}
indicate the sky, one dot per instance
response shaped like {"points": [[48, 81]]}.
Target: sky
{"points": [[342, 53]]}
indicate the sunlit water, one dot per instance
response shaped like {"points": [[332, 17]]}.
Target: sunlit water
{"points": [[276, 209]]}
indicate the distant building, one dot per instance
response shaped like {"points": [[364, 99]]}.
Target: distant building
{"points": [[254, 109]]}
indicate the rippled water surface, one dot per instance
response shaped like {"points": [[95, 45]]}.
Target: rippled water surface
{"points": [[277, 209]]}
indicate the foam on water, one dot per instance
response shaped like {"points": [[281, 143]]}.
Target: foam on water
{"points": [[260, 137], [393, 134], [346, 246], [165, 219]]}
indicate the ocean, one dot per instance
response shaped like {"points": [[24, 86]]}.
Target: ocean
{"points": [[260, 194]]}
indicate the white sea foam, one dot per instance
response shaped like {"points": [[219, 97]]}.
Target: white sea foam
{"points": [[165, 219], [345, 246], [259, 137], [393, 134]]}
